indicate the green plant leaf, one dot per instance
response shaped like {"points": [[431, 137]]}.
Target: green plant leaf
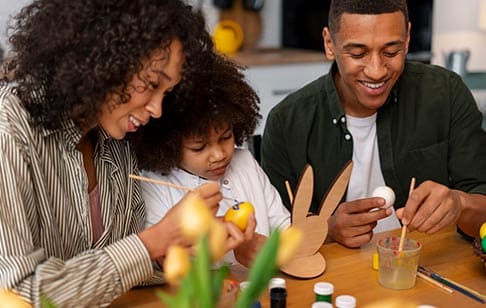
{"points": [[262, 270], [45, 302], [202, 277], [166, 298], [217, 282]]}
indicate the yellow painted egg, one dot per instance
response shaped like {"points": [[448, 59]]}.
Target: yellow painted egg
{"points": [[239, 214], [482, 231]]}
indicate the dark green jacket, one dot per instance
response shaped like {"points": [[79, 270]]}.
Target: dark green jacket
{"points": [[429, 128]]}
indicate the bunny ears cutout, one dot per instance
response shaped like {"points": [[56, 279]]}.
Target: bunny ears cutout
{"points": [[309, 262]]}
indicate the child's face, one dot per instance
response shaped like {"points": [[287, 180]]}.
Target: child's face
{"points": [[208, 157]]}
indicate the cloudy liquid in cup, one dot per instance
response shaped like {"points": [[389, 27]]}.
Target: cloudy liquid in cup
{"points": [[398, 270]]}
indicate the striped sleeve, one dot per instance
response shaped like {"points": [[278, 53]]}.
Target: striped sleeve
{"points": [[45, 243], [126, 255]]}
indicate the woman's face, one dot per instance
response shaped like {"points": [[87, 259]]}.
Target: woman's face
{"points": [[147, 90], [208, 157]]}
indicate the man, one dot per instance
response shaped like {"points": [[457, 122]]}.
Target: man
{"points": [[395, 120]]}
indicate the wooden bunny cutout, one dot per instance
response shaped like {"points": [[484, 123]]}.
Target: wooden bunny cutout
{"points": [[309, 262]]}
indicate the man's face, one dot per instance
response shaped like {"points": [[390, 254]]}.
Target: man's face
{"points": [[370, 52]]}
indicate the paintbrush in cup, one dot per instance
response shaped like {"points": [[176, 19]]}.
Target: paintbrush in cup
{"points": [[404, 227], [289, 191]]}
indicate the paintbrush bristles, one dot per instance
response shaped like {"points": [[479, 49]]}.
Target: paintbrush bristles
{"points": [[404, 227]]}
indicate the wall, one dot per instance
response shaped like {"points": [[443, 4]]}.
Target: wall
{"points": [[455, 27], [8, 8]]}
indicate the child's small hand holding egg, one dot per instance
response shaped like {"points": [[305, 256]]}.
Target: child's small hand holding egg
{"points": [[386, 193]]}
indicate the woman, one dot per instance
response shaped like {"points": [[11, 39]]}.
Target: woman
{"points": [[86, 73]]}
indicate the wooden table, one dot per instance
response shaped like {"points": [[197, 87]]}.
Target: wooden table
{"points": [[350, 271]]}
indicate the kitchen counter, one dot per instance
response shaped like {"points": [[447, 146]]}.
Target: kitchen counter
{"points": [[278, 56]]}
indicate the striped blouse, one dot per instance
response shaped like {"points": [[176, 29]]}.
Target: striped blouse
{"points": [[45, 225]]}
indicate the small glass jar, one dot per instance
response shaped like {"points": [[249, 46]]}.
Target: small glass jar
{"points": [[323, 291]]}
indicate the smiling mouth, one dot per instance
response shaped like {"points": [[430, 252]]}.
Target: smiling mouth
{"points": [[134, 121], [373, 85]]}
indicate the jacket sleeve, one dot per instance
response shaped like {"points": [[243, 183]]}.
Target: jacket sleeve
{"points": [[467, 142], [274, 156]]}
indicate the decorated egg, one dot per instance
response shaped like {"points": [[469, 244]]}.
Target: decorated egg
{"points": [[483, 244], [482, 231], [386, 193]]}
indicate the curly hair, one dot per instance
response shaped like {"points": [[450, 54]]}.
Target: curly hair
{"points": [[220, 97], [70, 56]]}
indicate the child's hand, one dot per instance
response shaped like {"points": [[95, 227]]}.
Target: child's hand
{"points": [[211, 195], [235, 236], [247, 251]]}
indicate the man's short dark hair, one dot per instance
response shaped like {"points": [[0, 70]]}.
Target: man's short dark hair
{"points": [[364, 7]]}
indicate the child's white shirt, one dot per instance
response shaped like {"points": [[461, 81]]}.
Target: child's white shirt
{"points": [[244, 180]]}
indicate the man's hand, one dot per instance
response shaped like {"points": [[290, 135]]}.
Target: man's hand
{"points": [[431, 207], [353, 222]]}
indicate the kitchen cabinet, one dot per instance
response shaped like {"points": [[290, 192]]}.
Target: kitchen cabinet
{"points": [[274, 82], [275, 73]]}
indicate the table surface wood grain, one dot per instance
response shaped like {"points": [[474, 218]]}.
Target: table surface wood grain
{"points": [[350, 270]]}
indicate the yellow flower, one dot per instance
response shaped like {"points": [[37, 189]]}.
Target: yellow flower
{"points": [[12, 300], [289, 242], [176, 264], [217, 240], [195, 216]]}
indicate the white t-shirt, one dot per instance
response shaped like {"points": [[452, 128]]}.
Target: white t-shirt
{"points": [[244, 180], [366, 174]]}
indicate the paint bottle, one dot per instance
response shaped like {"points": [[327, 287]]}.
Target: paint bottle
{"points": [[276, 283], [345, 301], [278, 298], [321, 305], [323, 291]]}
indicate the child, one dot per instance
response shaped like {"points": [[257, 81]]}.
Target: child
{"points": [[194, 142]]}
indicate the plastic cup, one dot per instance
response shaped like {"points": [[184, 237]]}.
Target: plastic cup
{"points": [[397, 269]]}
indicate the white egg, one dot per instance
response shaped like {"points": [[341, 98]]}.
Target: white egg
{"points": [[386, 193]]}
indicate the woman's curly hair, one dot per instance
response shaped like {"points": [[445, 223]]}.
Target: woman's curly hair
{"points": [[220, 97], [70, 56]]}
